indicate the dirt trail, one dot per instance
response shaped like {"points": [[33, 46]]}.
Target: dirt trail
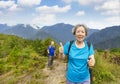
{"points": [[56, 75]]}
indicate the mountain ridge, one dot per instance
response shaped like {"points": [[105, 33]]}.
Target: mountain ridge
{"points": [[63, 32]]}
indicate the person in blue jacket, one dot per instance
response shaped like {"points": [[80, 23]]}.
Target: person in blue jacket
{"points": [[51, 52], [80, 52]]}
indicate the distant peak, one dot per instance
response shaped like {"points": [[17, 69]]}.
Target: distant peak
{"points": [[35, 26]]}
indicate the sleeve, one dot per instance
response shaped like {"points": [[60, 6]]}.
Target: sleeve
{"points": [[48, 47], [66, 48], [91, 52]]}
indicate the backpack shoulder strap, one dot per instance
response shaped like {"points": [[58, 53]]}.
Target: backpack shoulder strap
{"points": [[88, 43], [71, 42]]}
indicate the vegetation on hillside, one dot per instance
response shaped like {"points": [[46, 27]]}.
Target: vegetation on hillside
{"points": [[22, 61], [107, 68], [19, 56]]}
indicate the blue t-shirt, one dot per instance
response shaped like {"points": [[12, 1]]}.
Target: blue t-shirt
{"points": [[51, 50], [78, 70]]}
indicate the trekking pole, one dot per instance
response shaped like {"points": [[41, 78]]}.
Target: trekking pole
{"points": [[91, 77]]}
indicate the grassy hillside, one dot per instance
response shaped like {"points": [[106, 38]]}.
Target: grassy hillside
{"points": [[22, 62], [19, 58], [107, 68]]}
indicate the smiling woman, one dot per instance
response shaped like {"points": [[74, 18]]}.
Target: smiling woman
{"points": [[78, 55]]}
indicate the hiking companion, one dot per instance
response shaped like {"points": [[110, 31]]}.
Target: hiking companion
{"points": [[80, 57], [60, 52], [51, 53]]}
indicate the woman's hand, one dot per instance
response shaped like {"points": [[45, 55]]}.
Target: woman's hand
{"points": [[91, 61]]}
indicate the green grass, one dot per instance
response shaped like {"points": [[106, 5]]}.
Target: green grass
{"points": [[104, 71]]}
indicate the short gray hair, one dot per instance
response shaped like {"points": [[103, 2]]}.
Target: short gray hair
{"points": [[77, 26]]}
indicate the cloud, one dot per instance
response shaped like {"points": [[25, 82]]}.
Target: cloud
{"points": [[28, 3], [44, 19], [6, 4], [110, 7], [14, 8], [53, 9], [67, 1], [80, 13], [87, 2], [106, 22], [9, 6], [95, 24], [1, 12], [111, 12], [48, 15], [113, 20], [83, 2]]}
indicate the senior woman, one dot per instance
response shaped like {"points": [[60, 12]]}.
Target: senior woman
{"points": [[78, 55]]}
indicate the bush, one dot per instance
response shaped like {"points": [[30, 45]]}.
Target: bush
{"points": [[103, 70]]}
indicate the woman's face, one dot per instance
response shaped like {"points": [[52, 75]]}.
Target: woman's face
{"points": [[80, 34]]}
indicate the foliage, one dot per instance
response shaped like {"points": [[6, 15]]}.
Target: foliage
{"points": [[104, 70], [21, 57]]}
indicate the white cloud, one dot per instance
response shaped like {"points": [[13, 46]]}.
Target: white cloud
{"points": [[28, 3], [95, 24], [6, 4], [110, 7], [9, 6], [83, 2], [44, 19], [53, 9], [88, 2], [14, 8], [107, 22], [114, 20], [111, 12], [80, 13], [67, 1], [1, 12]]}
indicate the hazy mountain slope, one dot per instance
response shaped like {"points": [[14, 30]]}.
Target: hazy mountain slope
{"points": [[108, 44], [25, 31], [60, 31], [63, 32], [3, 27], [106, 38]]}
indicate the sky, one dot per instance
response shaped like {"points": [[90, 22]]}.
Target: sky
{"points": [[96, 14]]}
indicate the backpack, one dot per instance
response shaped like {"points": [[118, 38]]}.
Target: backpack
{"points": [[90, 69]]}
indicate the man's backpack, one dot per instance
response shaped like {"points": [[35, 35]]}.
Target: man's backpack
{"points": [[90, 69]]}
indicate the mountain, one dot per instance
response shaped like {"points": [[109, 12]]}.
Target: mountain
{"points": [[41, 35], [101, 39], [63, 32], [91, 31], [108, 44], [60, 31], [3, 27], [25, 31], [106, 38]]}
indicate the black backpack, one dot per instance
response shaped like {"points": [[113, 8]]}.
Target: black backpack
{"points": [[90, 69]]}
